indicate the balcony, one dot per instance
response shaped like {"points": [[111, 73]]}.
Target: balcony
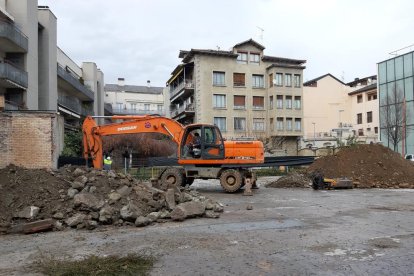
{"points": [[182, 89], [12, 39], [130, 111], [87, 95], [9, 105], [182, 111], [12, 76], [70, 103]]}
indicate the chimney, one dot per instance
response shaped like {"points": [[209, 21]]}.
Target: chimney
{"points": [[121, 81], [148, 83]]}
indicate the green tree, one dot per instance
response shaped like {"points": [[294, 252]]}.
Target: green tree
{"points": [[73, 143]]}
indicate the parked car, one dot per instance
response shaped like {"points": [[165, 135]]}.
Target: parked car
{"points": [[409, 157]]}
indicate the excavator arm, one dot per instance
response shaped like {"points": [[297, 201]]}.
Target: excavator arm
{"points": [[92, 132]]}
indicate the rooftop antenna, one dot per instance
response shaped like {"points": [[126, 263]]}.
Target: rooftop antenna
{"points": [[343, 76], [260, 34]]}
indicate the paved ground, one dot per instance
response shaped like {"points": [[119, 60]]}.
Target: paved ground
{"points": [[288, 232]]}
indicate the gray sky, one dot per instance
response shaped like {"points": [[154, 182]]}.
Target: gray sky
{"points": [[140, 40]]}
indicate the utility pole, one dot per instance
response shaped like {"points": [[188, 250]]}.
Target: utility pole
{"points": [[314, 133]]}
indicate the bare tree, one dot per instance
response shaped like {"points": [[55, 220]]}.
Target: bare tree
{"points": [[393, 117]]}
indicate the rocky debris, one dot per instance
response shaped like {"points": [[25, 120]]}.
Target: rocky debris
{"points": [[84, 198], [292, 180], [369, 166], [249, 207]]}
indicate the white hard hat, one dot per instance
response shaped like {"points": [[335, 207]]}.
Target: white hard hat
{"points": [[109, 158]]}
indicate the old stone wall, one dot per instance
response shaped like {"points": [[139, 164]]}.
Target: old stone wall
{"points": [[30, 139]]}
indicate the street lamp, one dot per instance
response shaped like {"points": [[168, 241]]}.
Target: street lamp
{"points": [[314, 133]]}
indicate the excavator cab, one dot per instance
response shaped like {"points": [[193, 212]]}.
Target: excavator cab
{"points": [[202, 142]]}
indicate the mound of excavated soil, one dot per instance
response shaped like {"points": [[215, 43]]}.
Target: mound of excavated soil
{"points": [[293, 180], [86, 198], [369, 166]]}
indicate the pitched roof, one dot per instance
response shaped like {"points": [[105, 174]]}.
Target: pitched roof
{"points": [[187, 55], [133, 89], [321, 77], [283, 60], [250, 41], [363, 89], [357, 80]]}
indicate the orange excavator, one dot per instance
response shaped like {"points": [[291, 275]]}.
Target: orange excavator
{"points": [[202, 152]]}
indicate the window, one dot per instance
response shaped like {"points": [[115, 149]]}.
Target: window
{"points": [[279, 79], [271, 102], [296, 80], [133, 106], [376, 130], [368, 129], [258, 124], [298, 124], [271, 124], [288, 123], [242, 57], [369, 117], [288, 79], [279, 101], [220, 122], [289, 102], [279, 123], [218, 78], [239, 123], [360, 132], [372, 96], [239, 102], [219, 101], [359, 99], [258, 81], [359, 118], [298, 104], [254, 58], [160, 107], [258, 102], [119, 106], [270, 80], [238, 79], [146, 107]]}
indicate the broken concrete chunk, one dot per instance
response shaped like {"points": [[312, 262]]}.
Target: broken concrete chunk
{"points": [[88, 201], [77, 172], [170, 198], [124, 190], [130, 212], [77, 185], [218, 208], [188, 209], [153, 216], [142, 221], [114, 196], [209, 203], [76, 219], [58, 215], [30, 212], [211, 214], [82, 179], [105, 214]]}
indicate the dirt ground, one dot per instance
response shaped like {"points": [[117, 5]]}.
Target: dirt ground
{"points": [[286, 232]]}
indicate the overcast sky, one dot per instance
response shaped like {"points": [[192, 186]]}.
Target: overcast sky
{"points": [[140, 40]]}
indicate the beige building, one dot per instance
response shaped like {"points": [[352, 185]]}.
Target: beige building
{"points": [[334, 110], [246, 93], [134, 99], [35, 74]]}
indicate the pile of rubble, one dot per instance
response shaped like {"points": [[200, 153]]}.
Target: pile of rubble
{"points": [[77, 197], [292, 180], [369, 166]]}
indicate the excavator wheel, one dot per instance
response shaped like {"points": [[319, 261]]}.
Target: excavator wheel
{"points": [[231, 180], [172, 177]]}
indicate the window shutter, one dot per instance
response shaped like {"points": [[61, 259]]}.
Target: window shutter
{"points": [[239, 100], [258, 101]]}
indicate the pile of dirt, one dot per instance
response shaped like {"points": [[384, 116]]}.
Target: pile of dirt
{"points": [[293, 180], [87, 198], [369, 166]]}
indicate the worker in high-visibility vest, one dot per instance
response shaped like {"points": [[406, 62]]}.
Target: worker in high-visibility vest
{"points": [[107, 163]]}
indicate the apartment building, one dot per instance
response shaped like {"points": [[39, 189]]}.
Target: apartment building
{"points": [[335, 110], [246, 93], [396, 101], [35, 74], [134, 99]]}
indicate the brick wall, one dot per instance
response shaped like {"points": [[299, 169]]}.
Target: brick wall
{"points": [[31, 140]]}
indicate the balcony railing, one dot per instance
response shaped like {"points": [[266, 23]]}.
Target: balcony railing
{"points": [[187, 84], [180, 110], [12, 33], [13, 74], [130, 111], [68, 77], [70, 103]]}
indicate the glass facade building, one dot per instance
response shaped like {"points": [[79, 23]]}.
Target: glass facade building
{"points": [[395, 84]]}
